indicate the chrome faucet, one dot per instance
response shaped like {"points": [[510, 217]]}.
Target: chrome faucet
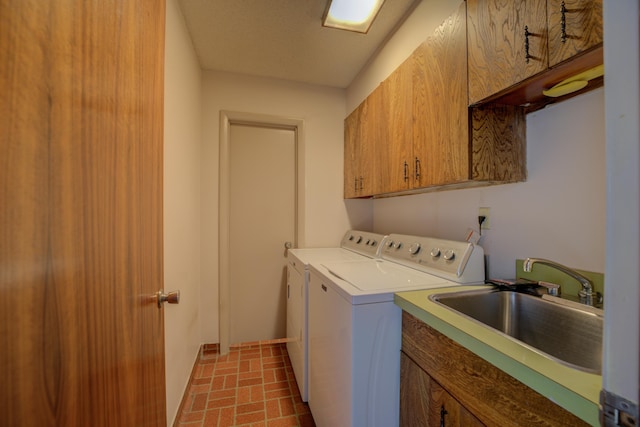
{"points": [[587, 296]]}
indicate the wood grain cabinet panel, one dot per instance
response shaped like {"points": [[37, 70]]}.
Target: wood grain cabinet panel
{"points": [[352, 138], [394, 152], [574, 26], [507, 43], [474, 392], [359, 146], [516, 46], [425, 403], [440, 113]]}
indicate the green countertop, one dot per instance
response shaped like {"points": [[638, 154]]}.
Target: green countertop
{"points": [[576, 391]]}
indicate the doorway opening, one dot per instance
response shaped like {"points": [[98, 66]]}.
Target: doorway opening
{"points": [[232, 253]]}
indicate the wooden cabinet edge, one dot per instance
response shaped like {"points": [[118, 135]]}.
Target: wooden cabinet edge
{"points": [[490, 394], [498, 143], [528, 93]]}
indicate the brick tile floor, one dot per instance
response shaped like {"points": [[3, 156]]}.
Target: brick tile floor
{"points": [[253, 385]]}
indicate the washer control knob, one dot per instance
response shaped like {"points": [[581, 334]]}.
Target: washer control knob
{"points": [[358, 239], [373, 243], [350, 237], [449, 254], [435, 252], [414, 248], [397, 245], [390, 244]]}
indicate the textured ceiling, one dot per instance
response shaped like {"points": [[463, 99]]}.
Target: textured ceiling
{"points": [[285, 38]]}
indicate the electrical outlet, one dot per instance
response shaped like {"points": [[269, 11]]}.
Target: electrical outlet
{"points": [[483, 211]]}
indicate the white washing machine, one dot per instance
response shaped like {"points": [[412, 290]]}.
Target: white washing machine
{"points": [[355, 329], [355, 246]]}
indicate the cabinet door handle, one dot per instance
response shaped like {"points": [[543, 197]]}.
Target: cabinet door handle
{"points": [[406, 171], [563, 23], [526, 44], [443, 412], [417, 169]]}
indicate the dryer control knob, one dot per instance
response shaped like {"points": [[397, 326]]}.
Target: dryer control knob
{"points": [[390, 244], [397, 245], [449, 254], [435, 252], [373, 242], [359, 239], [414, 248]]}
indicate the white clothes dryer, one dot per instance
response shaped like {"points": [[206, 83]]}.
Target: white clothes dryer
{"points": [[354, 246]]}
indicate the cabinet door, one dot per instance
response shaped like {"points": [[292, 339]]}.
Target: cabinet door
{"points": [[424, 403], [351, 153], [500, 53], [359, 139], [441, 120], [369, 141], [414, 390], [574, 26], [393, 155], [444, 410]]}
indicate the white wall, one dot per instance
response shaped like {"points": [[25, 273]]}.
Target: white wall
{"points": [[326, 215], [182, 148], [559, 213]]}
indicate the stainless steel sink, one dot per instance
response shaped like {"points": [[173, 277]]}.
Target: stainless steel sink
{"points": [[568, 334]]}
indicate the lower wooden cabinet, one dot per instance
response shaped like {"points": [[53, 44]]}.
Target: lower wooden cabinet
{"points": [[443, 382], [424, 403]]}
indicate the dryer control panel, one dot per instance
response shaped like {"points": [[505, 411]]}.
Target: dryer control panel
{"points": [[363, 242]]}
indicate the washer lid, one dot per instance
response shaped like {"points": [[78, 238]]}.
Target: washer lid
{"points": [[369, 275]]}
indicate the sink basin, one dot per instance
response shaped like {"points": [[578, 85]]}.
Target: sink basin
{"points": [[566, 333]]}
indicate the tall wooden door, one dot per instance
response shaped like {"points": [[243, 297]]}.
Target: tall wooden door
{"points": [[81, 336]]}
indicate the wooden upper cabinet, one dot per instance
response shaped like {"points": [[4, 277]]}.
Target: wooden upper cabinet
{"points": [[507, 43], [393, 153], [351, 153], [359, 145], [440, 113], [416, 130], [574, 26]]}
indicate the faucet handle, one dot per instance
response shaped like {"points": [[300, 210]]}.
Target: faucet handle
{"points": [[552, 288], [594, 299]]}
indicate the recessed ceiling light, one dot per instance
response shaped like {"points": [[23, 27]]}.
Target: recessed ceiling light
{"points": [[351, 15]]}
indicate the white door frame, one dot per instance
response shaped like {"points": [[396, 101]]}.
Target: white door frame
{"points": [[227, 118]]}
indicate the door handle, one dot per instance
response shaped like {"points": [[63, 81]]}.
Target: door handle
{"points": [[172, 297], [288, 245]]}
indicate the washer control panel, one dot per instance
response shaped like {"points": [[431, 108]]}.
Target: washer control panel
{"points": [[461, 262]]}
